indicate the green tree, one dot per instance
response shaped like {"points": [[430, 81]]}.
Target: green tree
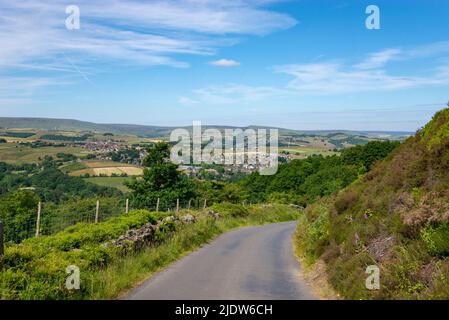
{"points": [[161, 179], [18, 213]]}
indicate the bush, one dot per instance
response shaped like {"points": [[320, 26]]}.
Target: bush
{"points": [[437, 239], [231, 210], [345, 200], [313, 232]]}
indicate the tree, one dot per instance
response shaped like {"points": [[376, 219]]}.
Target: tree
{"points": [[18, 213], [161, 179]]}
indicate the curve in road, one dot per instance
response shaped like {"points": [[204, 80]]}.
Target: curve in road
{"points": [[253, 263]]}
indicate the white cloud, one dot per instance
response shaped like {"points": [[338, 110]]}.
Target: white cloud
{"points": [[333, 78], [225, 63], [187, 101], [235, 93], [127, 32], [379, 59]]}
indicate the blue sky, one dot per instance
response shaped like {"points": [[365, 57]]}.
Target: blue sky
{"points": [[305, 64]]}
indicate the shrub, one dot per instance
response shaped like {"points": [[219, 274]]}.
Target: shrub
{"points": [[232, 210], [437, 239]]}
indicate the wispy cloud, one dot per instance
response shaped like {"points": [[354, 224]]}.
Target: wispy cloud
{"points": [[236, 93], [187, 101], [379, 59], [225, 63], [335, 78], [127, 32], [339, 77]]}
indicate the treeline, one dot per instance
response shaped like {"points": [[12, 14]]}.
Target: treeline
{"points": [[66, 200], [303, 181], [48, 182], [17, 134], [59, 137]]}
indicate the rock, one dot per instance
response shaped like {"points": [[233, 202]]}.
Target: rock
{"points": [[170, 219], [381, 247], [136, 237], [188, 218], [213, 214], [140, 237]]}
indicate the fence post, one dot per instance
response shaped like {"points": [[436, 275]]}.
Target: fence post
{"points": [[127, 206], [2, 242], [205, 203], [157, 205], [38, 221], [97, 211], [177, 205], [189, 203]]}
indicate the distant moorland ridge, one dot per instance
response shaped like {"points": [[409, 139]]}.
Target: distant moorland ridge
{"points": [[160, 131]]}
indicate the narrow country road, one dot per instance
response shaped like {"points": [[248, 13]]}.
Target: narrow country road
{"points": [[247, 263]]}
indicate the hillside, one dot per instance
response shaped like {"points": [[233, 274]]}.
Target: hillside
{"points": [[396, 217]]}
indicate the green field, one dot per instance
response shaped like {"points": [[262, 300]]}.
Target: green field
{"points": [[71, 167], [115, 182], [303, 152], [15, 153]]}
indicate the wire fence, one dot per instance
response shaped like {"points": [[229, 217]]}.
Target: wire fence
{"points": [[49, 218]]}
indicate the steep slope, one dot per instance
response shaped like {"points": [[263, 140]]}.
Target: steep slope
{"points": [[395, 217]]}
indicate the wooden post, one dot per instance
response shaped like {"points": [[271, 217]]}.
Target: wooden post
{"points": [[177, 205], [157, 205], [97, 211], [127, 206], [38, 221], [189, 203], [2, 242], [205, 203]]}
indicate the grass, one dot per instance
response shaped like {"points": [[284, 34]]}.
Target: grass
{"points": [[105, 163], [108, 171], [303, 152], [107, 168], [35, 269], [15, 153], [71, 167], [115, 182]]}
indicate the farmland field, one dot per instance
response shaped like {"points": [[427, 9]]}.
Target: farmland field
{"points": [[15, 153], [304, 152], [115, 182], [107, 168]]}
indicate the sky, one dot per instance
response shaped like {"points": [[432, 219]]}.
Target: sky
{"points": [[304, 64]]}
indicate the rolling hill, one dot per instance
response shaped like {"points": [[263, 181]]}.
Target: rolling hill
{"points": [[161, 131]]}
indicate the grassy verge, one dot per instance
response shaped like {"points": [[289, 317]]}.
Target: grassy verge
{"points": [[36, 268]]}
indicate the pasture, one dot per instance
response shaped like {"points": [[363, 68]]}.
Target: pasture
{"points": [[107, 168], [16, 153], [114, 182]]}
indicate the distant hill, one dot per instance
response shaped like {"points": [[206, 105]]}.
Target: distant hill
{"points": [[160, 131], [396, 218]]}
